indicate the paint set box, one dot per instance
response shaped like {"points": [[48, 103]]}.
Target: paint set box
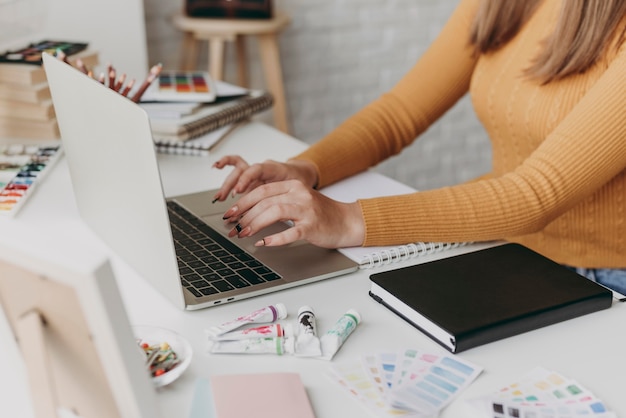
{"points": [[182, 86], [22, 167], [32, 53]]}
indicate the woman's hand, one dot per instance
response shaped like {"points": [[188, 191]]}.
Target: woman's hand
{"points": [[316, 218], [245, 177]]}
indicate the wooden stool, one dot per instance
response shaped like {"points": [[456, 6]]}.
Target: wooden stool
{"points": [[219, 31]]}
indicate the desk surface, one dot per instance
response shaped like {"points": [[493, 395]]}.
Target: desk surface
{"points": [[589, 349]]}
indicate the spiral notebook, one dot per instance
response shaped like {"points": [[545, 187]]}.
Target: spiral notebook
{"points": [[168, 132], [370, 184]]}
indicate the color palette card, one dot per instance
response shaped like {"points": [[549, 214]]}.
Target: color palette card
{"points": [[406, 383], [21, 168], [543, 394], [181, 86]]}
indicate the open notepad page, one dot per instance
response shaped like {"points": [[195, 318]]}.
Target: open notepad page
{"points": [[369, 184], [365, 185]]}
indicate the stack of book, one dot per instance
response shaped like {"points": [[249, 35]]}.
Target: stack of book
{"points": [[26, 109], [194, 127]]}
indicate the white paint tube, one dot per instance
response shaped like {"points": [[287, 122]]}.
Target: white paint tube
{"points": [[268, 314], [263, 331], [307, 343], [339, 333], [271, 345]]}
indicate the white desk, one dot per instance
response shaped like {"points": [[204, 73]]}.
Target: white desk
{"points": [[589, 349]]}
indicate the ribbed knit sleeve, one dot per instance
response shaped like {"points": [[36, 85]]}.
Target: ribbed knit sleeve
{"points": [[432, 86]]}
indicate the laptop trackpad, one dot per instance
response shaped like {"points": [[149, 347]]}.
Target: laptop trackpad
{"points": [[297, 261]]}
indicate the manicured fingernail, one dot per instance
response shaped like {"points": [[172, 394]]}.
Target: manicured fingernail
{"points": [[215, 200], [260, 243], [230, 212]]}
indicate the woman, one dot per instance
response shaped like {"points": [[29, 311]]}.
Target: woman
{"points": [[547, 80]]}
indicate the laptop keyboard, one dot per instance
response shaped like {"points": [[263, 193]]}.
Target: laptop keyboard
{"points": [[208, 262]]}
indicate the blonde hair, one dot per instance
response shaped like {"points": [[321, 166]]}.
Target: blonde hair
{"points": [[583, 31]]}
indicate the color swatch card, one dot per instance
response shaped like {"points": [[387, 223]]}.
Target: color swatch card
{"points": [[21, 168], [408, 383], [182, 86], [543, 394]]}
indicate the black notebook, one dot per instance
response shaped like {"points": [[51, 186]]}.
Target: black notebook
{"points": [[487, 295]]}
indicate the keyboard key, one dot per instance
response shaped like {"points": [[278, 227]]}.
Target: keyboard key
{"points": [[192, 277], [203, 271], [199, 284], [212, 277], [228, 259], [262, 270], [208, 291], [236, 265], [237, 281], [271, 276], [225, 272], [194, 292], [250, 276], [217, 266], [223, 285]]}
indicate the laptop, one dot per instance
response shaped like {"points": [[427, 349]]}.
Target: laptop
{"points": [[179, 244]]}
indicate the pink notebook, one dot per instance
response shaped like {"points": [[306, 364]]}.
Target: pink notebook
{"points": [[262, 395]]}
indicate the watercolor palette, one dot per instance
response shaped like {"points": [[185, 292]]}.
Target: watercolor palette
{"points": [[543, 394], [408, 383], [33, 52], [21, 168], [182, 86]]}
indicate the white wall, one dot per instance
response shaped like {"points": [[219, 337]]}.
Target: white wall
{"points": [[338, 55], [113, 27]]}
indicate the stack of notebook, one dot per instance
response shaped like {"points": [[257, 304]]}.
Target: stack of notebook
{"points": [[194, 127]]}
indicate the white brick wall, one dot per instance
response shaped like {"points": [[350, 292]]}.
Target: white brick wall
{"points": [[337, 56]]}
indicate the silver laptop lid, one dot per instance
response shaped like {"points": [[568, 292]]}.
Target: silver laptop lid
{"points": [[99, 126]]}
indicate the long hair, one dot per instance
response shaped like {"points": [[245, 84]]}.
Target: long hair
{"points": [[583, 30]]}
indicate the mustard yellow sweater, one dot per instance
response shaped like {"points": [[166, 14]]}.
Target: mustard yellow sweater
{"points": [[558, 183]]}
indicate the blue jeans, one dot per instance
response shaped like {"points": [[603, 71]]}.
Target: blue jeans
{"points": [[612, 278]]}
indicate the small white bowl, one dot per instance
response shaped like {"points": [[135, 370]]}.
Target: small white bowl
{"points": [[155, 336]]}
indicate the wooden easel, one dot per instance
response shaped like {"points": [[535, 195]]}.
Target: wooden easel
{"points": [[59, 344]]}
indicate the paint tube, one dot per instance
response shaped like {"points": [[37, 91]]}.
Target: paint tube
{"points": [[339, 333], [307, 343], [264, 331], [268, 314], [270, 345]]}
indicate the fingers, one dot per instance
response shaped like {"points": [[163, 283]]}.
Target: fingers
{"points": [[271, 203], [239, 166], [245, 177], [286, 237]]}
